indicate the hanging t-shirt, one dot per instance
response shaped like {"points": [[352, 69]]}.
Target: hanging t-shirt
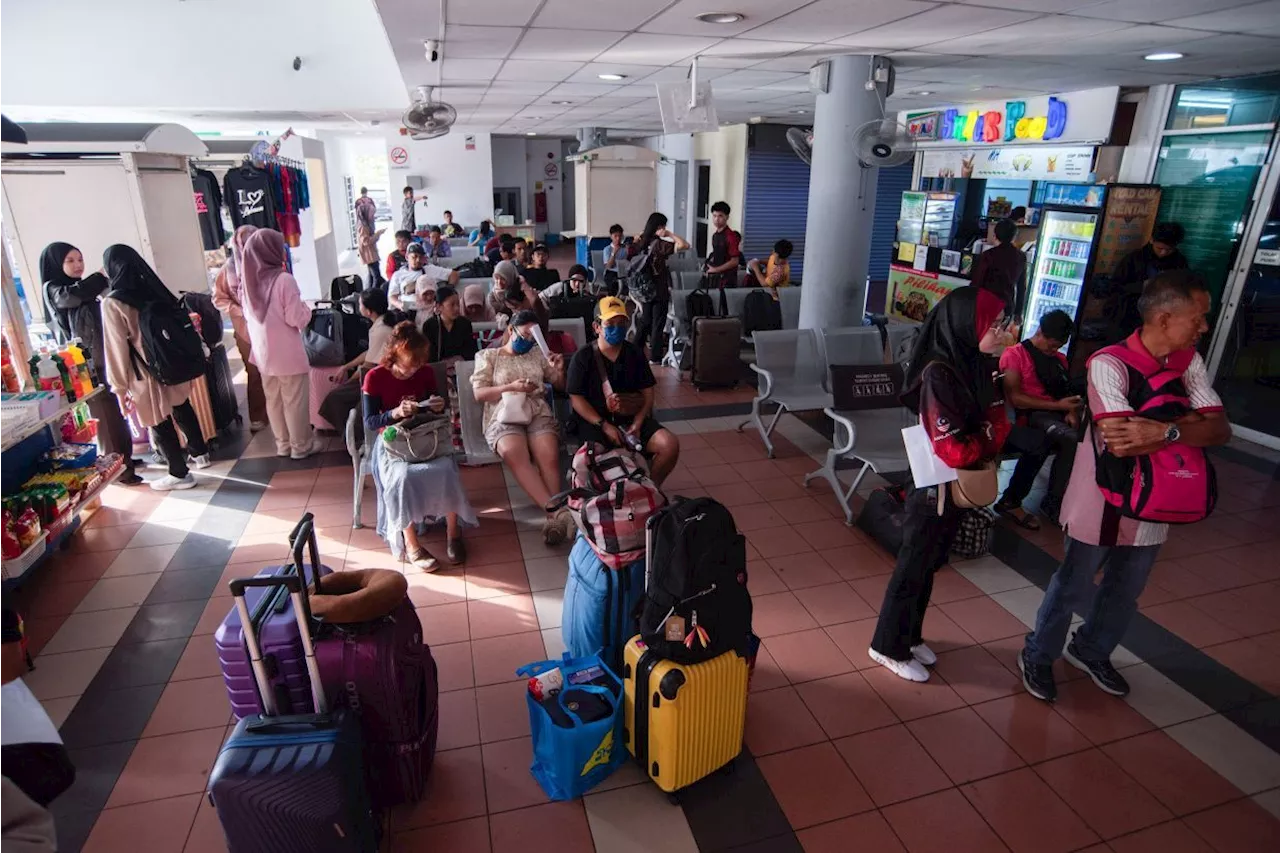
{"points": [[208, 199], [248, 192]]}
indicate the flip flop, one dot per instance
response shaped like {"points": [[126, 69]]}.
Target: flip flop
{"points": [[1027, 522]]}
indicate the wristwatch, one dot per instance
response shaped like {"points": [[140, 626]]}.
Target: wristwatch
{"points": [[1172, 434]]}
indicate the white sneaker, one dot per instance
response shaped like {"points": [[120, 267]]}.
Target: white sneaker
{"points": [[924, 654], [201, 461], [169, 483], [911, 670], [257, 426], [311, 448]]}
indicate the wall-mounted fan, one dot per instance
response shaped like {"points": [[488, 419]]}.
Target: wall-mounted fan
{"points": [[883, 142], [801, 139], [427, 119]]}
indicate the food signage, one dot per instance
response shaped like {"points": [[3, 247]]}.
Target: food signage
{"points": [[1079, 117], [1028, 163], [996, 126], [913, 293], [1131, 215]]}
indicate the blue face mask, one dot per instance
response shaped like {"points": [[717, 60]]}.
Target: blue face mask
{"points": [[520, 345], [614, 335]]}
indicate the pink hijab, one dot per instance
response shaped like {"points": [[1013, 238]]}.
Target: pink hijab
{"points": [[264, 259], [236, 262]]}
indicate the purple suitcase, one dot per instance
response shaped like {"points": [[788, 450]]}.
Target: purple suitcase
{"points": [[384, 673], [277, 632]]}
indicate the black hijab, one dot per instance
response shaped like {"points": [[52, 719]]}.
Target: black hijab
{"points": [[133, 281], [950, 334], [51, 273]]}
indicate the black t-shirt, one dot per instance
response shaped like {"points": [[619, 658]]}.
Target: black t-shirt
{"points": [[630, 372], [457, 342], [725, 244], [248, 192], [208, 198], [541, 279]]}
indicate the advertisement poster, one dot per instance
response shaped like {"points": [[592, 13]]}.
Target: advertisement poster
{"points": [[1126, 225], [912, 294], [1023, 162]]}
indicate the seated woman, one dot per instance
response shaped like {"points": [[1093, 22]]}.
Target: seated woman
{"points": [[526, 440], [344, 399], [512, 294], [412, 492], [451, 341]]}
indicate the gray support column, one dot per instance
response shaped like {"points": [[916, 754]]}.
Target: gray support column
{"points": [[838, 233]]}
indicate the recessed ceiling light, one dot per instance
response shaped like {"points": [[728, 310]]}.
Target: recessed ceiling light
{"points": [[720, 17], [800, 112], [921, 92], [561, 103], [530, 133], [612, 76], [1162, 57]]}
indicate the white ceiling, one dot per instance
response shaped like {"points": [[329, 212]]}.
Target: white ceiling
{"points": [[509, 64]]}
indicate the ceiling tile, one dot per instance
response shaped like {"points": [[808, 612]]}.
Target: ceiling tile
{"points": [[581, 90], [580, 45], [756, 49], [1033, 5], [469, 69], [825, 20], [512, 12], [752, 79], [1128, 40], [479, 42], [575, 14], [797, 62], [651, 49], [534, 70], [1258, 18], [1025, 38], [946, 23], [682, 18], [590, 73], [1154, 11], [727, 61]]}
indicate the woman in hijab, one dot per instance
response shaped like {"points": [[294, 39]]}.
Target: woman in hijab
{"points": [[949, 385], [228, 296], [275, 316], [512, 294], [133, 285], [72, 302]]}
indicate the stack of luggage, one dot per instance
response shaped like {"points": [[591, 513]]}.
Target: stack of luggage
{"points": [[336, 696]]}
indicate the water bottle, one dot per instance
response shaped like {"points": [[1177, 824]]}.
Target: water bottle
{"points": [[389, 434]]}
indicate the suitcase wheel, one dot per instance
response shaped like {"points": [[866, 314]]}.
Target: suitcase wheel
{"points": [[674, 798]]}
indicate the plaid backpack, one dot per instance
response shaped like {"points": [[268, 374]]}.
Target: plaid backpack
{"points": [[610, 497]]}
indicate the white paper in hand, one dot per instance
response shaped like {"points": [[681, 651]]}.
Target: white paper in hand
{"points": [[541, 341], [926, 468]]}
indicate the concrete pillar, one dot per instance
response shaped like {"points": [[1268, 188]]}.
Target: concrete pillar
{"points": [[842, 200]]}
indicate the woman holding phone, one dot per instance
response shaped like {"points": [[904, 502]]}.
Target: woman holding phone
{"points": [[409, 493]]}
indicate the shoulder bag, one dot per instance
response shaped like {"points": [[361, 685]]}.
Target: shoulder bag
{"points": [[625, 403], [420, 438], [514, 408]]}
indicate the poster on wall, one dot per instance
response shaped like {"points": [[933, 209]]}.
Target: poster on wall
{"points": [[1023, 162], [1130, 216], [912, 293]]}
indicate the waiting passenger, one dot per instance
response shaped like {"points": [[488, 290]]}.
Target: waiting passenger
{"points": [[518, 424], [437, 246], [404, 283], [777, 272], [480, 236], [344, 399], [410, 493], [538, 274], [512, 294], [615, 260], [397, 260], [451, 228], [1137, 268]]}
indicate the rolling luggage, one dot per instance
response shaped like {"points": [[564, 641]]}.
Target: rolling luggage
{"points": [[717, 347], [286, 783], [201, 400], [277, 632], [599, 605], [222, 391]]}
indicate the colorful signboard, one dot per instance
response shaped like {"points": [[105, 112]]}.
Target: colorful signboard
{"points": [[911, 294], [1029, 163], [1131, 214], [1071, 117]]}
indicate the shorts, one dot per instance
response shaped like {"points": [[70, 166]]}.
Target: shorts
{"points": [[589, 432], [542, 422]]}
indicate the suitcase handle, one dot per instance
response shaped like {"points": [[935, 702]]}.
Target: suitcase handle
{"points": [[305, 532]]}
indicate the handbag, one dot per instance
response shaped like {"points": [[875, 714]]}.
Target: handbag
{"points": [[975, 488], [973, 535], [628, 403], [419, 439], [514, 408]]}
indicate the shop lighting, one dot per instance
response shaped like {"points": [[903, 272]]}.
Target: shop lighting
{"points": [[612, 76], [1162, 57], [720, 17]]}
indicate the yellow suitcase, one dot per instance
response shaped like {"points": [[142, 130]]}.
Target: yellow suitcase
{"points": [[683, 722]]}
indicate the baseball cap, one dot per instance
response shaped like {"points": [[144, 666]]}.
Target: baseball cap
{"points": [[415, 249], [610, 307], [541, 247]]}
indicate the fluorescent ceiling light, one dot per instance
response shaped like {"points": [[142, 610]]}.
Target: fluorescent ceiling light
{"points": [[612, 76], [720, 17], [530, 133], [921, 92], [561, 103], [1162, 57]]}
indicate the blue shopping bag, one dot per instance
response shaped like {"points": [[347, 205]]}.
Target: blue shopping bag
{"points": [[568, 762]]}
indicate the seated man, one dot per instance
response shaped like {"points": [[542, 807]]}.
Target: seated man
{"points": [[404, 283], [538, 273], [1037, 386], [575, 285], [505, 250], [397, 259], [610, 387], [778, 271], [451, 228], [436, 245]]}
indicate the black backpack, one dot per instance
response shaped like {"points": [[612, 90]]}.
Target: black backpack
{"points": [[210, 317], [570, 307], [344, 286], [697, 573], [699, 304], [642, 283], [478, 268], [172, 351], [335, 335], [760, 313]]}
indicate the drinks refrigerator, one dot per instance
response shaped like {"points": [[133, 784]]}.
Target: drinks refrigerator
{"points": [[1064, 258]]}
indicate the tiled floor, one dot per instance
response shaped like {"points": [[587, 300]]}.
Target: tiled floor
{"points": [[840, 755]]}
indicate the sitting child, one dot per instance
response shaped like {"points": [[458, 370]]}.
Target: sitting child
{"points": [[778, 271]]}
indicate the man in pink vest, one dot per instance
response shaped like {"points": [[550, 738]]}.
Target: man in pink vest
{"points": [[1099, 536]]}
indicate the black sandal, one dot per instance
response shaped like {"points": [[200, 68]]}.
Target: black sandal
{"points": [[1027, 522]]}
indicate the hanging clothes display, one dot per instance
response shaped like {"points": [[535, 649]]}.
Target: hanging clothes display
{"points": [[249, 198], [291, 192], [208, 199]]}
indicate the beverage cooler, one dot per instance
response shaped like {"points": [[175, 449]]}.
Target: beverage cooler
{"points": [[1064, 258]]}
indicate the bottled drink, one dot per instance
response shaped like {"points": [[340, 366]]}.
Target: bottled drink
{"points": [[7, 372], [46, 368], [84, 378]]}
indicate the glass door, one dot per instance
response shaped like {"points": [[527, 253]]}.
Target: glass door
{"points": [[1063, 252]]}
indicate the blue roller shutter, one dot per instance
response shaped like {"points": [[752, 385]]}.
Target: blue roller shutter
{"points": [[776, 198], [893, 182]]}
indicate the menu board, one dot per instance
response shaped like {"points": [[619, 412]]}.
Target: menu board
{"points": [[911, 294], [1126, 225]]}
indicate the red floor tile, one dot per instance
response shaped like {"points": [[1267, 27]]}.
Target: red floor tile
{"points": [[68, 568], [199, 660], [976, 675], [444, 623], [853, 639], [845, 705], [453, 666], [550, 828], [778, 720], [455, 791], [1099, 716], [103, 538], [504, 714], [892, 765], [1239, 827], [1033, 728], [492, 549], [870, 830], [169, 766], [1251, 660], [941, 632], [1191, 624], [781, 613], [777, 488], [766, 675], [983, 619], [206, 832], [1181, 781], [505, 614], [459, 720], [799, 510], [53, 599], [161, 826], [780, 542], [1027, 816], [832, 604], [949, 585], [827, 533], [911, 699], [964, 746], [942, 823], [1172, 837], [856, 561], [717, 475], [429, 589], [469, 835], [1249, 610], [200, 703], [508, 784], [813, 785], [1108, 799], [733, 495], [757, 516], [497, 579], [762, 579], [803, 570], [807, 655]]}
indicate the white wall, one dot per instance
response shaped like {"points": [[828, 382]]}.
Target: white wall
{"points": [[726, 152], [457, 179], [341, 152], [1140, 155], [676, 146]]}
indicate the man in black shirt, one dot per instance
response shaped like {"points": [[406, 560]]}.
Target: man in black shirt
{"points": [[611, 388], [505, 251], [538, 273], [726, 248]]}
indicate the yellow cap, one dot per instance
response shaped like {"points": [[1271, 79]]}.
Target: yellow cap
{"points": [[609, 307]]}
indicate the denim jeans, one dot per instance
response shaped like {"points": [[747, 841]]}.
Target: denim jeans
{"points": [[1111, 605]]}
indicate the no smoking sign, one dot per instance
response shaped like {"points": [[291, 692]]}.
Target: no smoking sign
{"points": [[399, 156]]}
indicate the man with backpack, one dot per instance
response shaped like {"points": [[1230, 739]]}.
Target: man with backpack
{"points": [[726, 249], [1141, 466]]}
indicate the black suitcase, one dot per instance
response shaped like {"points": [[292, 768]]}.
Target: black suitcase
{"points": [[222, 392], [717, 352], [883, 516]]}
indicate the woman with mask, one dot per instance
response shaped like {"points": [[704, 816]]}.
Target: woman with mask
{"points": [[228, 297], [648, 257], [72, 302], [949, 384], [133, 285], [275, 316], [451, 341], [518, 424]]}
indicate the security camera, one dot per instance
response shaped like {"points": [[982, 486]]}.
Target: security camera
{"points": [[297, 63], [431, 47]]}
